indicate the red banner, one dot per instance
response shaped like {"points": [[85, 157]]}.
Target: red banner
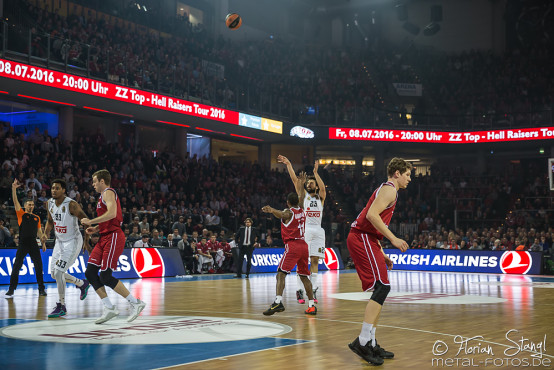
{"points": [[538, 133], [65, 81]]}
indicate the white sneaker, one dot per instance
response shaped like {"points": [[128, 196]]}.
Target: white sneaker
{"points": [[108, 315], [137, 309]]}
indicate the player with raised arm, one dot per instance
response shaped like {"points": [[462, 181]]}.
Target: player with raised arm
{"points": [[63, 216], [296, 253], [105, 254], [29, 228], [312, 194], [370, 260]]}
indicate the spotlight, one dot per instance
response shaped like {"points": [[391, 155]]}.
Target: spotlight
{"points": [[431, 29]]}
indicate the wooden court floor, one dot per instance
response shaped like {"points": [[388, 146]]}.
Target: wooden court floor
{"points": [[430, 320]]}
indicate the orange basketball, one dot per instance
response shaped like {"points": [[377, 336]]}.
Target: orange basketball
{"points": [[233, 21]]}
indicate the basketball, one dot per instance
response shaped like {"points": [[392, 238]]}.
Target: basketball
{"points": [[233, 21]]}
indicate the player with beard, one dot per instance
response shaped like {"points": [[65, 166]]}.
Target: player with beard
{"points": [[63, 216], [313, 198]]}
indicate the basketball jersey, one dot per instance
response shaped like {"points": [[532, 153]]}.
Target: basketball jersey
{"points": [[115, 223], [363, 225], [313, 207], [66, 226], [294, 229]]}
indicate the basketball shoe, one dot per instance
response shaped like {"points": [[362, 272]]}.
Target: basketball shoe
{"points": [[137, 309], [300, 296], [311, 311], [84, 289], [58, 311], [275, 307], [315, 296], [109, 313], [366, 352], [9, 293], [382, 352]]}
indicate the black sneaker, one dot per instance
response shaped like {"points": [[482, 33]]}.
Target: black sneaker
{"points": [[382, 352], [300, 296], [275, 307], [9, 294], [42, 293], [366, 352]]}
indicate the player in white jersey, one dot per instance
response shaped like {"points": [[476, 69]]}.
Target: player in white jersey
{"points": [[63, 216], [315, 235]]}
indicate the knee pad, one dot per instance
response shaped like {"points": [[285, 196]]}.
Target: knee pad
{"points": [[380, 292], [91, 273], [57, 274], [107, 279]]}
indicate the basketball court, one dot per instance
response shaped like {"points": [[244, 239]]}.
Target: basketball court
{"points": [[430, 319]]}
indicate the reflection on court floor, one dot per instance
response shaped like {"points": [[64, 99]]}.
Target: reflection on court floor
{"points": [[217, 320]]}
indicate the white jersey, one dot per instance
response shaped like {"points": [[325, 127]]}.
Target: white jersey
{"points": [[66, 226], [313, 207]]}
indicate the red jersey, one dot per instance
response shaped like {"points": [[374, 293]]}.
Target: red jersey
{"points": [[114, 224], [226, 247], [363, 225], [213, 246], [204, 248], [294, 229]]}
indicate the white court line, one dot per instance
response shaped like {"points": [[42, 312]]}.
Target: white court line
{"points": [[359, 323]]}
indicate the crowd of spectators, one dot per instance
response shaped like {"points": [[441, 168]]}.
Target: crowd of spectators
{"points": [[164, 198], [512, 88], [453, 208], [334, 85], [308, 82], [171, 201]]}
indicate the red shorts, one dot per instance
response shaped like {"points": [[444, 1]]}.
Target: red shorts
{"points": [[106, 253], [296, 253], [368, 259]]}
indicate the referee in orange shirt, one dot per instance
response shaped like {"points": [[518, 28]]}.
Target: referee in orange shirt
{"points": [[29, 227]]}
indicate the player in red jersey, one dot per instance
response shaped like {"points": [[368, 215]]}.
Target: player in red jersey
{"points": [[106, 253], [296, 253], [369, 258]]}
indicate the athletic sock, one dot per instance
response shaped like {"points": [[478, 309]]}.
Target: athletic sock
{"points": [[131, 299], [310, 303], [373, 340], [278, 299], [107, 303], [365, 334]]}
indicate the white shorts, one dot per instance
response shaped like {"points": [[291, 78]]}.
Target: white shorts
{"points": [[65, 253], [315, 237]]}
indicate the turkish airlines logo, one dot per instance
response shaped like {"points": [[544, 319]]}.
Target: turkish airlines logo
{"points": [[148, 262], [331, 260], [515, 262]]}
